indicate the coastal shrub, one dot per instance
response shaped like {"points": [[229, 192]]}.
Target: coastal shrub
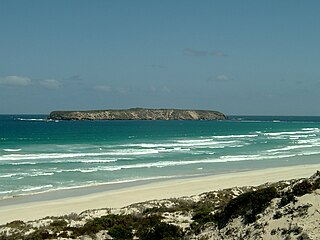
{"points": [[151, 227], [39, 234], [72, 216], [59, 223], [200, 219], [273, 232], [223, 196], [13, 236], [90, 228], [277, 215], [298, 211], [295, 230], [146, 227], [246, 205], [317, 184], [16, 224], [183, 205], [287, 198], [303, 236], [156, 210], [302, 188], [63, 235], [106, 221], [299, 189], [201, 216], [121, 232], [118, 226], [97, 224], [123, 226]]}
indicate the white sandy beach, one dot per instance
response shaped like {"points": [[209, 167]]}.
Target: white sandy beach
{"points": [[158, 190]]}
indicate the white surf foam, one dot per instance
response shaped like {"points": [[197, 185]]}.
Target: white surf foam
{"points": [[36, 174], [288, 148], [12, 149], [184, 144], [162, 164], [6, 192], [124, 152], [32, 188], [98, 161], [8, 175], [23, 163], [236, 136], [195, 141], [32, 119], [313, 130]]}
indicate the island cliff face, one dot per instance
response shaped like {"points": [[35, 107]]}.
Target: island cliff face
{"points": [[138, 114]]}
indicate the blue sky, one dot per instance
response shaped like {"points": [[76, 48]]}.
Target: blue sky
{"points": [[239, 57]]}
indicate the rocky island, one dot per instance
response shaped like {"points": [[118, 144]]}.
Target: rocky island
{"points": [[138, 114]]}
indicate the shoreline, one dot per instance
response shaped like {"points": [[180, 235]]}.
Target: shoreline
{"points": [[79, 191], [82, 191], [126, 194]]}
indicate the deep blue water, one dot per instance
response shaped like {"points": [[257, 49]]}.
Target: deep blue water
{"points": [[38, 155]]}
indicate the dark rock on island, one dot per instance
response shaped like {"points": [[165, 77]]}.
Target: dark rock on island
{"points": [[138, 114]]}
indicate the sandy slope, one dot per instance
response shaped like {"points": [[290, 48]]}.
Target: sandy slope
{"points": [[159, 190]]}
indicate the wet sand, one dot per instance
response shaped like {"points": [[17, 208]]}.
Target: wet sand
{"points": [[63, 202]]}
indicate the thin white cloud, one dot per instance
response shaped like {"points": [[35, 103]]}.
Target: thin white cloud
{"points": [[74, 78], [102, 88], [121, 90], [108, 89], [15, 81], [50, 83], [163, 89], [220, 78], [200, 53], [153, 89]]}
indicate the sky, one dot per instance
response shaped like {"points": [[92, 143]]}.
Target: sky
{"points": [[248, 57]]}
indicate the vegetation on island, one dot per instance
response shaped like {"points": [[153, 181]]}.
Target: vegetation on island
{"points": [[138, 114]]}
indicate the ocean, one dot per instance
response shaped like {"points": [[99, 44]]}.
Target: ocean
{"points": [[37, 155]]}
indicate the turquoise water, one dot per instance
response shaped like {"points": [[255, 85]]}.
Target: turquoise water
{"points": [[38, 155]]}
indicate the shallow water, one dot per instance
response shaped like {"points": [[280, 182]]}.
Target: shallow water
{"points": [[38, 155]]}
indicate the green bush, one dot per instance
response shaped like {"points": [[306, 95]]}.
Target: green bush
{"points": [[202, 215], [277, 215], [122, 226], [102, 223], [151, 227], [121, 232], [39, 235], [16, 224], [287, 198], [59, 223], [302, 188], [246, 205], [182, 205]]}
